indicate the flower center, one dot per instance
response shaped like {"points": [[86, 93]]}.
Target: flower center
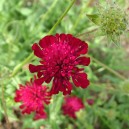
{"points": [[59, 59]]}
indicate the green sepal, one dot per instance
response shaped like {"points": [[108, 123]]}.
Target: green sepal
{"points": [[94, 18]]}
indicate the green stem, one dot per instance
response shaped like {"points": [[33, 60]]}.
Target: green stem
{"points": [[110, 89], [4, 107], [30, 57], [77, 20], [87, 32], [62, 16], [19, 66], [108, 68], [80, 16], [76, 123], [44, 16], [104, 120]]}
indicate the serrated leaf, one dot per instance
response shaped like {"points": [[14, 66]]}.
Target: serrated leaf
{"points": [[94, 18]]}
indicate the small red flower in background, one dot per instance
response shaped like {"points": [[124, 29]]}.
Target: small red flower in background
{"points": [[60, 56], [33, 98], [90, 101], [71, 106]]}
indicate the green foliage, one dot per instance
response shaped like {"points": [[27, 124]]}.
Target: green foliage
{"points": [[23, 23]]}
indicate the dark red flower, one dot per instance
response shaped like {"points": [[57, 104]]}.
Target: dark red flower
{"points": [[33, 98], [90, 101], [60, 56], [71, 106]]}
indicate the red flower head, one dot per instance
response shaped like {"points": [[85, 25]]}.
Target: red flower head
{"points": [[60, 55], [71, 106], [33, 98], [90, 101]]}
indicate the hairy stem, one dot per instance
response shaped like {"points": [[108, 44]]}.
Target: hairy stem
{"points": [[110, 88], [87, 32], [19, 66], [108, 68], [80, 16], [30, 57], [62, 16], [44, 16]]}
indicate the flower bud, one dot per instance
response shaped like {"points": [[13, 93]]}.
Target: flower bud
{"points": [[113, 21]]}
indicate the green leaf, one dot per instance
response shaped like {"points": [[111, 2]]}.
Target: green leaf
{"points": [[94, 18], [25, 11]]}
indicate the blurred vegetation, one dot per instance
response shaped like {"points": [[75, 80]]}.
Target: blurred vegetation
{"points": [[23, 23]]}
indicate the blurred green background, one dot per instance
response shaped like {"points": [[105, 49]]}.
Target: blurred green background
{"points": [[24, 22]]}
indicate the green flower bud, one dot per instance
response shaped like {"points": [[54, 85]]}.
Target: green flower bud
{"points": [[112, 20]]}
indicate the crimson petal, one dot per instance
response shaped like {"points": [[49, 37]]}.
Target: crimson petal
{"points": [[83, 48], [39, 81], [83, 61], [45, 42], [55, 86], [69, 85], [37, 50], [34, 68], [80, 79], [39, 115]]}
